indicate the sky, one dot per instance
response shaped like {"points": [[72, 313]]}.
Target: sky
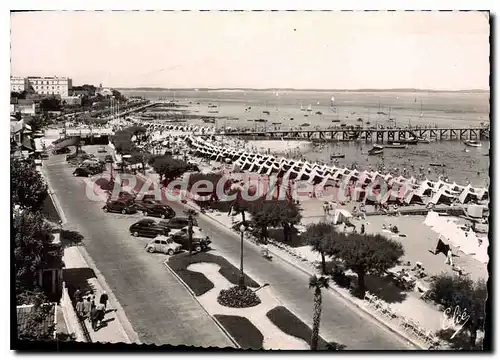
{"points": [[304, 50]]}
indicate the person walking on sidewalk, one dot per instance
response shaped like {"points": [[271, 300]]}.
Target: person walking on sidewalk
{"points": [[100, 313], [78, 295], [86, 306], [93, 317], [104, 299], [80, 309]]}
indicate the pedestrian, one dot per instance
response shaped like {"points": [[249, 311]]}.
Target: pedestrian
{"points": [[362, 228], [449, 256], [78, 295], [92, 302], [100, 313], [104, 299], [80, 310], [93, 317], [86, 306]]}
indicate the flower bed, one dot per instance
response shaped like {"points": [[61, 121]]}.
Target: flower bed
{"points": [[242, 330], [290, 324], [237, 297], [199, 282]]}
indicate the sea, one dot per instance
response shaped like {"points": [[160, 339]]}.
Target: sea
{"points": [[287, 109]]}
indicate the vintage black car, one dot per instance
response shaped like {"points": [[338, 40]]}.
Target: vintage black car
{"points": [[177, 223], [87, 171], [147, 228], [64, 150], [150, 207], [199, 241], [120, 206]]}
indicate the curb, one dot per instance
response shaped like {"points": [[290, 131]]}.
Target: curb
{"points": [[130, 334], [235, 343]]}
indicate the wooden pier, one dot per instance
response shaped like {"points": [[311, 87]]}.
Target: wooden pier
{"points": [[368, 135]]}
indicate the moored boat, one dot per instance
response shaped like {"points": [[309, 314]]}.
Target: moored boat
{"points": [[337, 156], [472, 143], [403, 141], [422, 140], [376, 150], [305, 124], [437, 165], [396, 146]]}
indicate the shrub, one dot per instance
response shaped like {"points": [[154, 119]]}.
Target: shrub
{"points": [[237, 297]]}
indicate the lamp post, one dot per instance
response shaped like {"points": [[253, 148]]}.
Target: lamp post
{"points": [[241, 281]]}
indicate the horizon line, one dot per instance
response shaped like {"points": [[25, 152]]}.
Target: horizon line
{"points": [[298, 89]]}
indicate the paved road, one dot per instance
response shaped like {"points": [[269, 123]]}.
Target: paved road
{"points": [[159, 308], [340, 321]]}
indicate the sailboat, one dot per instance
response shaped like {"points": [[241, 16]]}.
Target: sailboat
{"points": [[309, 108], [302, 108]]}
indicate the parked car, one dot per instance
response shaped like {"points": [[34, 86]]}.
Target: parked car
{"points": [[119, 206], [177, 222], [63, 150], [44, 155], [125, 195], [163, 245], [147, 228], [108, 159], [200, 241], [86, 171], [101, 149], [150, 207]]}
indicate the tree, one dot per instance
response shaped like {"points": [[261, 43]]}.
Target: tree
{"points": [[50, 104], [168, 168], [451, 291], [27, 187], [191, 214], [34, 249], [275, 213], [366, 253], [317, 284], [321, 236]]}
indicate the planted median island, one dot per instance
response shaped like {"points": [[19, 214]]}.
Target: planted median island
{"points": [[250, 314]]}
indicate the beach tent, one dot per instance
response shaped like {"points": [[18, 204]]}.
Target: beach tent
{"points": [[467, 196], [341, 216], [442, 196], [424, 189], [413, 198]]}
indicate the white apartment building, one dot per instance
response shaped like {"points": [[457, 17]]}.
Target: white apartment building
{"points": [[18, 84], [51, 85], [42, 85]]}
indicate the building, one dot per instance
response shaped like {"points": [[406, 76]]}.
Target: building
{"points": [[51, 85], [42, 85], [25, 107], [18, 84]]}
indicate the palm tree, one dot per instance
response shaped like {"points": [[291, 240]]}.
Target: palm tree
{"points": [[317, 284], [191, 214]]}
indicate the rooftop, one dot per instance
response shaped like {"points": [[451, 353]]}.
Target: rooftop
{"points": [[26, 321]]}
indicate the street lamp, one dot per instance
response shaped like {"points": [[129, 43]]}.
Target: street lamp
{"points": [[242, 274]]}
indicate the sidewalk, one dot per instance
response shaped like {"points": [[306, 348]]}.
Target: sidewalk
{"points": [[79, 275]]}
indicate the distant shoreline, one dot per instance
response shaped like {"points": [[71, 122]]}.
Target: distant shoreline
{"points": [[403, 90]]}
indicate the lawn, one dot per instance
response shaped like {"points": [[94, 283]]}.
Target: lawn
{"points": [[291, 325], [242, 330], [199, 282]]}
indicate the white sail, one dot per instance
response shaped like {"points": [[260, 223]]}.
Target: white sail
{"points": [[332, 99]]}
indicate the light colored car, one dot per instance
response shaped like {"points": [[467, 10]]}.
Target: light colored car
{"points": [[164, 245], [101, 149]]}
